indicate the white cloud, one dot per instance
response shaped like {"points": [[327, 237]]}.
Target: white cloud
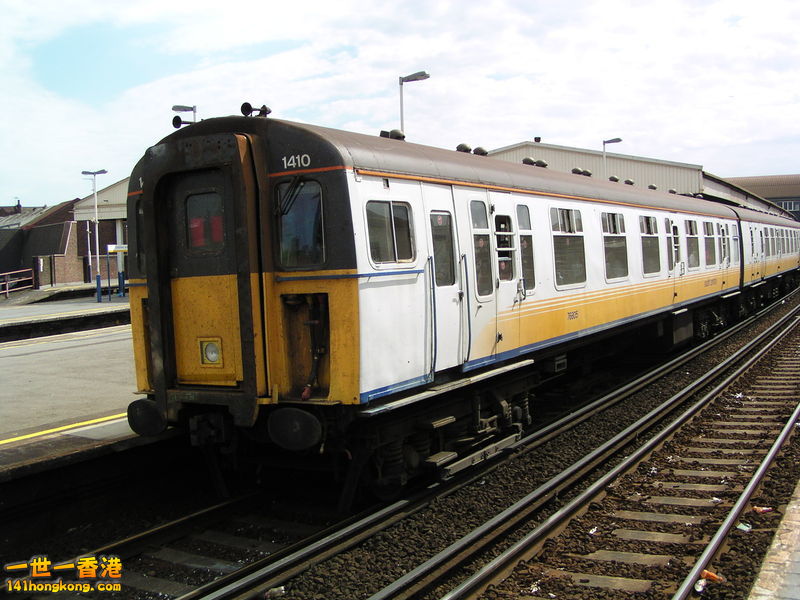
{"points": [[712, 82]]}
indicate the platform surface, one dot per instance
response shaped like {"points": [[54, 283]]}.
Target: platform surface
{"points": [[779, 578], [63, 394]]}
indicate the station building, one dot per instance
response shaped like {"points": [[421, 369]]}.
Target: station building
{"points": [[783, 190]]}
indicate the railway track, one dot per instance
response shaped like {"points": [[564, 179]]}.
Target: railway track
{"points": [[655, 524], [192, 559], [341, 546]]}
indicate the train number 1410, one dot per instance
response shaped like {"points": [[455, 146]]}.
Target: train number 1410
{"points": [[296, 161]]}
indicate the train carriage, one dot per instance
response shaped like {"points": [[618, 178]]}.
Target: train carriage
{"points": [[336, 293]]}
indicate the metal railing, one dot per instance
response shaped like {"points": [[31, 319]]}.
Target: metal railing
{"points": [[15, 281]]}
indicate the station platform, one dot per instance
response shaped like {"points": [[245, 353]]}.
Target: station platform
{"points": [[59, 309], [64, 395], [779, 578]]}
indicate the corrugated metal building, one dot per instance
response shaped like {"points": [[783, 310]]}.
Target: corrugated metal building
{"points": [[638, 171], [682, 177]]}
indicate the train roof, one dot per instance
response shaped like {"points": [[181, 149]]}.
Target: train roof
{"points": [[399, 157], [376, 154]]}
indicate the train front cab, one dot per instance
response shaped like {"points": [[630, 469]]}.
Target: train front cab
{"points": [[196, 293], [241, 264]]}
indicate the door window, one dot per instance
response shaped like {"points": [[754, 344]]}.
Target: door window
{"points": [[204, 222], [443, 253], [481, 248], [526, 247]]}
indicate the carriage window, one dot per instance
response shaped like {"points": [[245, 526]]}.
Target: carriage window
{"points": [[651, 257], [204, 231], [300, 223], [615, 245], [481, 248], [389, 226], [526, 247], [523, 217], [692, 245], [710, 243], [568, 250], [443, 255]]}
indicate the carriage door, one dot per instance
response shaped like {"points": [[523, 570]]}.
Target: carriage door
{"points": [[508, 283], [214, 290], [447, 300], [676, 268]]}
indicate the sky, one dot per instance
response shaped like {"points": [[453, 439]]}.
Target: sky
{"points": [[89, 84]]}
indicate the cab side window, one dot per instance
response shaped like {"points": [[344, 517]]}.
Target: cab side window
{"points": [[300, 224]]}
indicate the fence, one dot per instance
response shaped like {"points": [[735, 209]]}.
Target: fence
{"points": [[15, 281]]}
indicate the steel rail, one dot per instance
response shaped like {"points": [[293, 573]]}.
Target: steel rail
{"points": [[275, 570], [485, 574], [546, 433], [473, 542], [721, 535], [269, 572]]}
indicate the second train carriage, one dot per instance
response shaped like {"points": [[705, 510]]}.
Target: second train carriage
{"points": [[292, 280]]}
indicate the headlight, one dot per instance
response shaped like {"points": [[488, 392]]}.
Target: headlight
{"points": [[210, 353]]}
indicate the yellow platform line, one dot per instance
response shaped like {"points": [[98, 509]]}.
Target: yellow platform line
{"points": [[63, 428]]}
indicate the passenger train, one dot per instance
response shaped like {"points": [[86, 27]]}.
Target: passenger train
{"points": [[381, 307]]}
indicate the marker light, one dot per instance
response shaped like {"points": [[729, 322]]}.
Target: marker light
{"points": [[210, 353]]}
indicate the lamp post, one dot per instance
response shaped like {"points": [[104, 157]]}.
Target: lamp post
{"points": [[611, 141], [94, 175], [178, 121], [418, 76]]}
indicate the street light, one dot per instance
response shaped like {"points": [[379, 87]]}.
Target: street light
{"points": [[418, 76], [94, 175], [178, 121], [611, 141]]}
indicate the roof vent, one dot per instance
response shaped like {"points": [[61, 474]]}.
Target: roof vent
{"points": [[394, 134], [652, 187], [629, 182], [614, 178], [480, 151], [535, 163], [537, 139], [464, 148]]}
